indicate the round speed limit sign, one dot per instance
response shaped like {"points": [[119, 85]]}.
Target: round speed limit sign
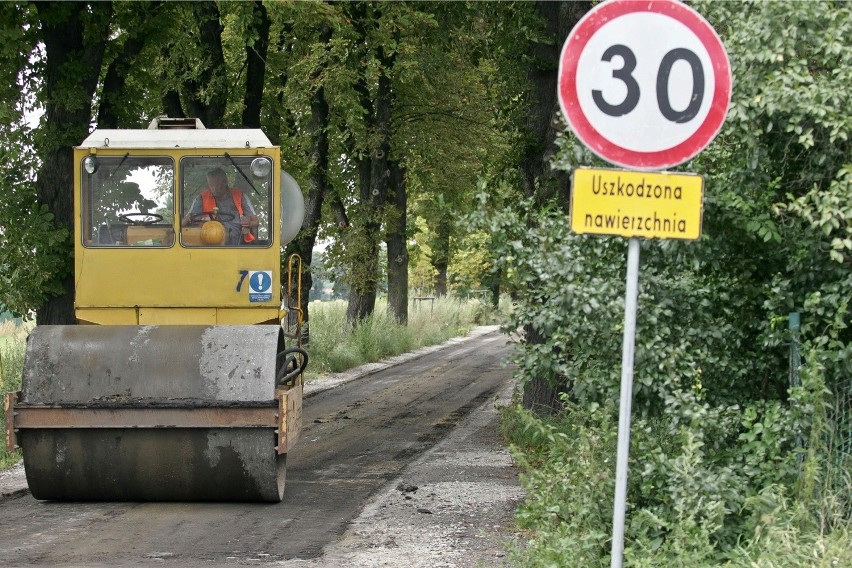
{"points": [[644, 84]]}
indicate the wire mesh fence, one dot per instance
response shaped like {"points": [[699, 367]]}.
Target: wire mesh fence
{"points": [[838, 441], [840, 446]]}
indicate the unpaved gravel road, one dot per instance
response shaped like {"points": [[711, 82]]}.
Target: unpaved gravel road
{"points": [[399, 465]]}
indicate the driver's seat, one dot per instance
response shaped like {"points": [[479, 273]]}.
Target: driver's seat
{"points": [[111, 234]]}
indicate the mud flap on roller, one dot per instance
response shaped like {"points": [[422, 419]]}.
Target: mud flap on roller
{"points": [[159, 413]]}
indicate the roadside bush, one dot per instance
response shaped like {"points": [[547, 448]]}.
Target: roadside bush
{"points": [[715, 420], [569, 479], [720, 489]]}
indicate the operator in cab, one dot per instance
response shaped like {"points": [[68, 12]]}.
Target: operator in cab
{"points": [[229, 206]]}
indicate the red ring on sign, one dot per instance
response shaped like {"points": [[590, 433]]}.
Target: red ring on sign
{"points": [[588, 134]]}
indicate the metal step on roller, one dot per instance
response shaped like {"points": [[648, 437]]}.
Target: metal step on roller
{"points": [[157, 413]]}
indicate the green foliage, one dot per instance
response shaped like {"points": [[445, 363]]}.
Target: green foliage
{"points": [[717, 427], [780, 169], [471, 264], [698, 490], [784, 534], [455, 80], [33, 251], [13, 342]]}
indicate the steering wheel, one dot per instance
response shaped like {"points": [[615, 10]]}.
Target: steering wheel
{"points": [[146, 218], [208, 215]]}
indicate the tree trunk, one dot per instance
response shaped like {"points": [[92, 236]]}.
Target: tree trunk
{"points": [[362, 293], [207, 98], [397, 247], [541, 395], [540, 180], [440, 258], [281, 122], [492, 283], [256, 66], [72, 66], [112, 92], [374, 181], [362, 303], [364, 248], [317, 189], [171, 103], [113, 89], [440, 278]]}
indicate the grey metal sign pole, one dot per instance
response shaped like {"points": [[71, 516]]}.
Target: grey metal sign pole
{"points": [[624, 408]]}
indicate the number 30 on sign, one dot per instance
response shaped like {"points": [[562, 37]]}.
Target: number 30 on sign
{"points": [[644, 84]]}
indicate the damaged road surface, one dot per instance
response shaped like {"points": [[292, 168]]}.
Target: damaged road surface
{"points": [[357, 438]]}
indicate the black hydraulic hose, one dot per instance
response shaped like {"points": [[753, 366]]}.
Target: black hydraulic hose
{"points": [[290, 364]]}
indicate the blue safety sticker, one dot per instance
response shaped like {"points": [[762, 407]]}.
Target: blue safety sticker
{"points": [[260, 285]]}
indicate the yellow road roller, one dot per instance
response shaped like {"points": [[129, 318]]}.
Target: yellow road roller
{"points": [[182, 380]]}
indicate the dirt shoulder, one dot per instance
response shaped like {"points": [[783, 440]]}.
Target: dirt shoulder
{"points": [[12, 481]]}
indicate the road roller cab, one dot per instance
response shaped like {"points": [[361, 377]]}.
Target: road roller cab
{"points": [[147, 250], [183, 377]]}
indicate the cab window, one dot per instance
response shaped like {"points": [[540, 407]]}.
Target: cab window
{"points": [[226, 201], [127, 201]]}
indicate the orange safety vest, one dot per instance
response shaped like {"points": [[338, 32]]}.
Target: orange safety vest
{"points": [[208, 204]]}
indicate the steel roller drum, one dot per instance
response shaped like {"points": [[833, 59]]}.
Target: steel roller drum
{"points": [[152, 413]]}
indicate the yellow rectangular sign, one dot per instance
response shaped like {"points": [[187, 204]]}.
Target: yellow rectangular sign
{"points": [[637, 204]]}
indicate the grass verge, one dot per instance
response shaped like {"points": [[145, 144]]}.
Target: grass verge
{"points": [[336, 346], [13, 340]]}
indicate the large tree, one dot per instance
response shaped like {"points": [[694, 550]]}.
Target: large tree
{"points": [[74, 40], [317, 187], [541, 181]]}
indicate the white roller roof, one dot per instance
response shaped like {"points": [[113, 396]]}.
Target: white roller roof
{"points": [[177, 138]]}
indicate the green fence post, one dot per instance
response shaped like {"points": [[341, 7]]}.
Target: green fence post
{"points": [[794, 324]]}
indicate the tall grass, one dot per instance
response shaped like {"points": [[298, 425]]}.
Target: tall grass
{"points": [[337, 346], [13, 339]]}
